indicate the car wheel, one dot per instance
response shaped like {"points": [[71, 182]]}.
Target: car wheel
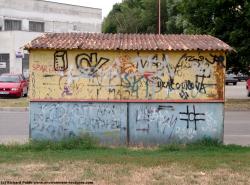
{"points": [[26, 94], [235, 83], [248, 94], [21, 95]]}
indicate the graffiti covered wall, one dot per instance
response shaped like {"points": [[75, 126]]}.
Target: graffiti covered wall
{"points": [[55, 121], [129, 92], [148, 123], [155, 123], [126, 76]]}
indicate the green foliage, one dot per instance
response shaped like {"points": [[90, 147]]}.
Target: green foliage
{"points": [[85, 142], [123, 18], [135, 16], [207, 142], [229, 20], [204, 144]]}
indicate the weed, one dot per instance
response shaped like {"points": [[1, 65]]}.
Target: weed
{"points": [[84, 142]]}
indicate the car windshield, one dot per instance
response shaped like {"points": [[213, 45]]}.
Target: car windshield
{"points": [[13, 79]]}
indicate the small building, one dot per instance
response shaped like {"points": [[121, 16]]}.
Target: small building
{"points": [[127, 88], [22, 21]]}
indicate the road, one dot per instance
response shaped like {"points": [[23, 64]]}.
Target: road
{"points": [[236, 92], [237, 124], [14, 127], [237, 127]]}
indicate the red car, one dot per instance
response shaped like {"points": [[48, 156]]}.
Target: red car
{"points": [[248, 86], [13, 85]]}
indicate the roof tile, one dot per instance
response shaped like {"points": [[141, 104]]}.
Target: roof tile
{"points": [[101, 41]]}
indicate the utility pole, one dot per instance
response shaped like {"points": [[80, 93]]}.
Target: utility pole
{"points": [[159, 17]]}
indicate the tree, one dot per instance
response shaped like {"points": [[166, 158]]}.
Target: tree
{"points": [[229, 20], [135, 16], [125, 17]]}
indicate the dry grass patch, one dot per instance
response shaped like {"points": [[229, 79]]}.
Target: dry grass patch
{"points": [[237, 105], [121, 174], [230, 104], [14, 102]]}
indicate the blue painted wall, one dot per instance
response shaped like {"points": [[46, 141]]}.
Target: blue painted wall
{"points": [[144, 123], [158, 123], [55, 121]]}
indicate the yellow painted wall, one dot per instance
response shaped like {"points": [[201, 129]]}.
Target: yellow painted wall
{"points": [[120, 75]]}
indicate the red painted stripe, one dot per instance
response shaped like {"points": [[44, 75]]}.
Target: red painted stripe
{"points": [[131, 101]]}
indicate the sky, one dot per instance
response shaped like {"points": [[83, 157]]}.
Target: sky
{"points": [[105, 5]]}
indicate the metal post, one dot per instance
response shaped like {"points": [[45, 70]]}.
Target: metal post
{"points": [[128, 130], [159, 16]]}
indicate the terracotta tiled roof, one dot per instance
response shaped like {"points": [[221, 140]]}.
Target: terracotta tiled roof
{"points": [[100, 41]]}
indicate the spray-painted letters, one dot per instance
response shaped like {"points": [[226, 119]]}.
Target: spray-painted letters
{"points": [[146, 123], [127, 76]]}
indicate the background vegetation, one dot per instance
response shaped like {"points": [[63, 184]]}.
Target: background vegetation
{"points": [[228, 20]]}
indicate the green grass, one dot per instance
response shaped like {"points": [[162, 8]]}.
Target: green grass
{"points": [[83, 158], [203, 154]]}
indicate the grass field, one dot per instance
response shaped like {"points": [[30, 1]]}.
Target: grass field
{"points": [[237, 104], [14, 102], [206, 162]]}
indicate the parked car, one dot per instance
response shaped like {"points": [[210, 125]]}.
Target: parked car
{"points": [[248, 86], [241, 77], [13, 85], [231, 78]]}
